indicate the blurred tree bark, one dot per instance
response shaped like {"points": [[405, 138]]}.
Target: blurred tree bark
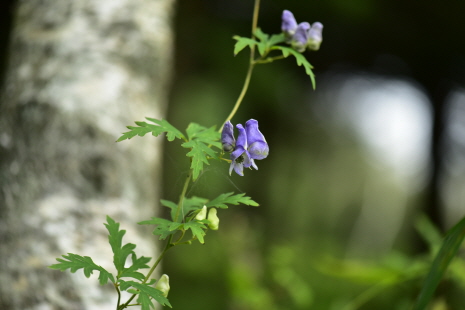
{"points": [[77, 73]]}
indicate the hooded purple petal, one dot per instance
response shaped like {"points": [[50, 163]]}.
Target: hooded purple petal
{"points": [[315, 36], [300, 37], [257, 146], [240, 156], [289, 24], [227, 137]]}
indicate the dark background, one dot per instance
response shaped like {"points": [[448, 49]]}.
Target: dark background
{"points": [[311, 244]]}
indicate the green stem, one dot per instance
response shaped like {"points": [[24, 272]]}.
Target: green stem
{"points": [[168, 246], [119, 295], [242, 94], [251, 65], [268, 60], [181, 197]]}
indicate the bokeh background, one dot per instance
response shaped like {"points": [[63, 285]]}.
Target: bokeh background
{"points": [[364, 174]]}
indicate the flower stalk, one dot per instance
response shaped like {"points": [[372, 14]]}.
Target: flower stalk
{"points": [[252, 63]]}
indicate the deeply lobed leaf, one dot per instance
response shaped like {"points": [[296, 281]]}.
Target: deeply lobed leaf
{"points": [[163, 228], [199, 153], [200, 141], [162, 126], [74, 262], [204, 134], [197, 229], [263, 45], [145, 294], [301, 61], [115, 238], [242, 43], [137, 263], [229, 198], [189, 204]]}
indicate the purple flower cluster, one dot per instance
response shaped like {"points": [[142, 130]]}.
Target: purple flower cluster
{"points": [[301, 36], [250, 145]]}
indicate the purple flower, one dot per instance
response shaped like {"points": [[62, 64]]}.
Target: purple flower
{"points": [[315, 36], [258, 148], [250, 145], [301, 36], [227, 137], [240, 157], [288, 24]]}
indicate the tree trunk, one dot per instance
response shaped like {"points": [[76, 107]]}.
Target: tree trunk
{"points": [[79, 71]]}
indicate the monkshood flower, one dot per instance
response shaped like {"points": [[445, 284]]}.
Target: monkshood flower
{"points": [[240, 157], [227, 137], [213, 219], [301, 36], [258, 148], [315, 36], [202, 214], [250, 145], [163, 285], [289, 24]]}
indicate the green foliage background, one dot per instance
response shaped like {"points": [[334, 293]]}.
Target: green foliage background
{"points": [[293, 252]]}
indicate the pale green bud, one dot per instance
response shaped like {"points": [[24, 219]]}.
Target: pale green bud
{"points": [[163, 285], [202, 214], [213, 219]]}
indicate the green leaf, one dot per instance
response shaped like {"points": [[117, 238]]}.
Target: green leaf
{"points": [[189, 204], [263, 44], [137, 263], [276, 39], [75, 262], [301, 61], [146, 293], [193, 203], [199, 152], [115, 237], [204, 134], [197, 229], [164, 227], [223, 199], [261, 35], [448, 250], [170, 205], [200, 141], [144, 128], [242, 42]]}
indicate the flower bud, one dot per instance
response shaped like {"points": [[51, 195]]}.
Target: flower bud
{"points": [[257, 146], [227, 137], [300, 38], [214, 220], [202, 214], [288, 24], [163, 285], [315, 36]]}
